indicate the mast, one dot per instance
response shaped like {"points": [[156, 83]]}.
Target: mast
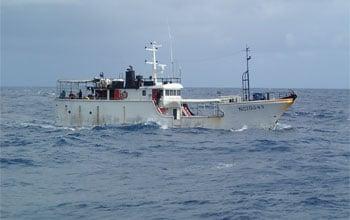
{"points": [[171, 51], [245, 78], [153, 49]]}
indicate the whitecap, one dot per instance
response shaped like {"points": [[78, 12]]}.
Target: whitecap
{"points": [[281, 126], [161, 125], [164, 126], [243, 128], [45, 126], [224, 165], [68, 128]]}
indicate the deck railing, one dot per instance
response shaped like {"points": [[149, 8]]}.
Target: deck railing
{"points": [[206, 109], [273, 95], [165, 80]]}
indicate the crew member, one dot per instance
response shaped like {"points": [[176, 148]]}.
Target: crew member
{"points": [[71, 95], [63, 94]]}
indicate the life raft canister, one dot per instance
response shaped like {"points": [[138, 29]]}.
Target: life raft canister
{"points": [[125, 94]]}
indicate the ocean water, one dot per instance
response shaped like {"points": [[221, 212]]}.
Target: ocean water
{"points": [[300, 170]]}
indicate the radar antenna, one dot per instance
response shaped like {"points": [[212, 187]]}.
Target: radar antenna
{"points": [[245, 78]]}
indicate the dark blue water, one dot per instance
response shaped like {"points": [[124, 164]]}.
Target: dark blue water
{"points": [[300, 170]]}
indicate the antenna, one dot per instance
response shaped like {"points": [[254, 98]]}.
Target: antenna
{"points": [[162, 67], [171, 50], [180, 72], [154, 48], [245, 78]]}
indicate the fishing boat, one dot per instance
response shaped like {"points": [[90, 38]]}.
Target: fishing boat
{"points": [[133, 99]]}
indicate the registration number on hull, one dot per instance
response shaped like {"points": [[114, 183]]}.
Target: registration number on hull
{"points": [[250, 108]]}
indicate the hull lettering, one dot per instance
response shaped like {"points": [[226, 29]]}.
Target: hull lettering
{"points": [[250, 108]]}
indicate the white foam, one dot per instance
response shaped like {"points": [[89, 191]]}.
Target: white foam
{"points": [[164, 126], [224, 165], [281, 126], [45, 126], [243, 128], [161, 125]]}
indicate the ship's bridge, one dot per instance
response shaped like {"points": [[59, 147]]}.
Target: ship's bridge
{"points": [[171, 94], [171, 89]]}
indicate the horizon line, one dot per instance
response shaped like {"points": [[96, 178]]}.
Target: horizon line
{"points": [[214, 87]]}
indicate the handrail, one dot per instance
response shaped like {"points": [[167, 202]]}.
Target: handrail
{"points": [[169, 79], [274, 95]]}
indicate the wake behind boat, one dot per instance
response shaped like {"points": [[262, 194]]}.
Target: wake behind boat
{"points": [[135, 99]]}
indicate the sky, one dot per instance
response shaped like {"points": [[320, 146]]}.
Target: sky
{"points": [[294, 44]]}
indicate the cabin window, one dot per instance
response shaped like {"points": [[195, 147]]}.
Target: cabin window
{"points": [[172, 92], [143, 92]]}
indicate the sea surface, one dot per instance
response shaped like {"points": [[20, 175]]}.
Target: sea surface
{"points": [[299, 170]]}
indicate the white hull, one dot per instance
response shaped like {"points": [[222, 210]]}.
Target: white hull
{"points": [[134, 99], [80, 113]]}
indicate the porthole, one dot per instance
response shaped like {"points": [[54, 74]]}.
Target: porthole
{"points": [[69, 112], [90, 112]]}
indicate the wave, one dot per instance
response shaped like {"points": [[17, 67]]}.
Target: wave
{"points": [[281, 127], [315, 201], [193, 202], [136, 126], [130, 127], [302, 113], [278, 127], [223, 165], [17, 161], [16, 141], [159, 124], [266, 145], [60, 141], [45, 126], [243, 128], [130, 153], [321, 114]]}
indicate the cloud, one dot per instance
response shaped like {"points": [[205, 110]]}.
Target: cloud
{"points": [[90, 36]]}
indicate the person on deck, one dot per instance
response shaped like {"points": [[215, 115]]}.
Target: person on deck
{"points": [[63, 94], [71, 95]]}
